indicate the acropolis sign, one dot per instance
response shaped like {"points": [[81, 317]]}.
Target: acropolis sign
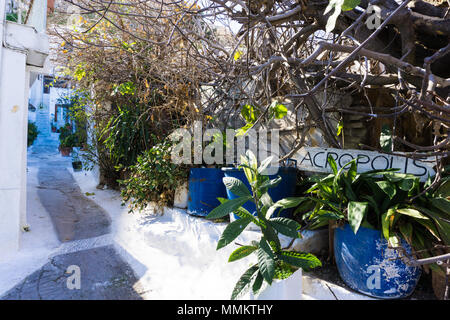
{"points": [[315, 160]]}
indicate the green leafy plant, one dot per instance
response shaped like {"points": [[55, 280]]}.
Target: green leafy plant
{"points": [[32, 133], [251, 113], [273, 261], [392, 202], [153, 178], [126, 135], [67, 139]]}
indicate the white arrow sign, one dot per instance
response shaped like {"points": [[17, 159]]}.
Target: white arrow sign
{"points": [[315, 160]]}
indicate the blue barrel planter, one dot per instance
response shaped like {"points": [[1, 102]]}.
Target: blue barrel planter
{"points": [[285, 189], [364, 264], [205, 186]]}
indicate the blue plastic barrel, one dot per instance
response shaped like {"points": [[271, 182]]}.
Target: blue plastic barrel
{"points": [[367, 265], [285, 189], [205, 186]]}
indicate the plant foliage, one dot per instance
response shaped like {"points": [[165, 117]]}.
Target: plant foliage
{"points": [[153, 178], [273, 261], [395, 203]]}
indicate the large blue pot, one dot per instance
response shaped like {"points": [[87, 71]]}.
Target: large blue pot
{"points": [[285, 189], [367, 265], [205, 186]]}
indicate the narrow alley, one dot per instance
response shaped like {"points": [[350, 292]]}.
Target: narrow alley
{"points": [[83, 229]]}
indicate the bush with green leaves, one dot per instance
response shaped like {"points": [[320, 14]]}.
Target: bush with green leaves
{"points": [[67, 139], [395, 203], [273, 261], [153, 178], [32, 133], [128, 133]]}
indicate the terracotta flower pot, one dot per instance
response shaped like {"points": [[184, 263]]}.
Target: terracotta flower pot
{"points": [[65, 151]]}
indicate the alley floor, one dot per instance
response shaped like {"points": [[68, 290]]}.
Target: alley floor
{"points": [[87, 265]]}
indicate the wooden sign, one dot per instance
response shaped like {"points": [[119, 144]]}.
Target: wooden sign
{"points": [[315, 160]]}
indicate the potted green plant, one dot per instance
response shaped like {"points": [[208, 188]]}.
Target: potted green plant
{"points": [[32, 133], [275, 265], [382, 215], [154, 178], [77, 165], [67, 140]]}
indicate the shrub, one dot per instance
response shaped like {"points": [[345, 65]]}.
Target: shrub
{"points": [[32, 133], [67, 139], [153, 178], [274, 262]]}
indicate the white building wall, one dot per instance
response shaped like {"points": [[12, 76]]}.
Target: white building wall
{"points": [[21, 47], [36, 97], [13, 115]]}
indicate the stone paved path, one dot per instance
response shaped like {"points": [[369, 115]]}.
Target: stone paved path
{"points": [[103, 274]]}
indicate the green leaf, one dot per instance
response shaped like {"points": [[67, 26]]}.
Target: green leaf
{"points": [[249, 113], [444, 189], [372, 202], [244, 282], [387, 188], [334, 206], [356, 213], [442, 204], [353, 171], [266, 261], [306, 261], [412, 213], [236, 186], [279, 111], [406, 184], [387, 219], [232, 231], [252, 160], [250, 168], [227, 207], [386, 138], [243, 213], [263, 166], [443, 225], [290, 202], [340, 127], [349, 191], [333, 164], [397, 177], [329, 215], [237, 55], [285, 203], [271, 183], [406, 229], [241, 252], [271, 237], [257, 283], [350, 4], [430, 227], [286, 226], [242, 131]]}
